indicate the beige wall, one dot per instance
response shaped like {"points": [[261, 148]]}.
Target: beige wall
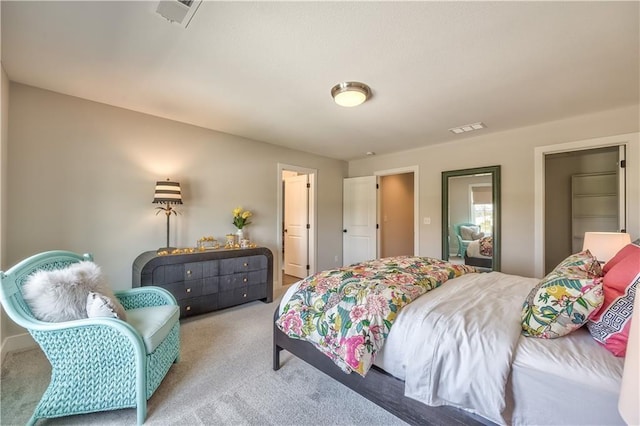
{"points": [[514, 151], [82, 174], [81, 177], [6, 325]]}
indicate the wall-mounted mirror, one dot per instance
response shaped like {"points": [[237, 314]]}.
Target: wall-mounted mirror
{"points": [[471, 217]]}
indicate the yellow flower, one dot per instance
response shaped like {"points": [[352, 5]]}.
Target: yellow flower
{"points": [[241, 217]]}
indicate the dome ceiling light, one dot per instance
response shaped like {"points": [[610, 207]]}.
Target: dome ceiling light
{"points": [[350, 93]]}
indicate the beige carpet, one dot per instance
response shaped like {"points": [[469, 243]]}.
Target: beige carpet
{"points": [[224, 377]]}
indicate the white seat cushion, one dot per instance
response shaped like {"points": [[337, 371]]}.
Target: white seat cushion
{"points": [[153, 323]]}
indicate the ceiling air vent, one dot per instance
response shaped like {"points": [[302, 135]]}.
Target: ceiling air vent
{"points": [[467, 128], [178, 11]]}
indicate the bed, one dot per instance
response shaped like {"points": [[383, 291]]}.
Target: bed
{"points": [[480, 253], [467, 367]]}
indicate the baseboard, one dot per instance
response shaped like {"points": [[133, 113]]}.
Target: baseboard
{"points": [[18, 342]]}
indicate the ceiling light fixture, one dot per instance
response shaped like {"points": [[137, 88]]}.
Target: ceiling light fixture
{"points": [[350, 93], [467, 128], [178, 11]]}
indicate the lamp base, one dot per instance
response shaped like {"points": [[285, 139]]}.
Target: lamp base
{"points": [[166, 249]]}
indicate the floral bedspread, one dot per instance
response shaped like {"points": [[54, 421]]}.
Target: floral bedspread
{"points": [[347, 313], [486, 246]]}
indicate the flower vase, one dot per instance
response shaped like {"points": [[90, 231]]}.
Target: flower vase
{"points": [[239, 235]]}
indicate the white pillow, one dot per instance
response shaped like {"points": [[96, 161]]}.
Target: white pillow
{"points": [[477, 235], [466, 232], [99, 305], [61, 294]]}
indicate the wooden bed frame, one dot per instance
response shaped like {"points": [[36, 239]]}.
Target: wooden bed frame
{"points": [[478, 261], [378, 386]]}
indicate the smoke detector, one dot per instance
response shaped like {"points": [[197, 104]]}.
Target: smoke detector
{"points": [[178, 11]]}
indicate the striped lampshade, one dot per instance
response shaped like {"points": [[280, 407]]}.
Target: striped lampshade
{"points": [[168, 192]]}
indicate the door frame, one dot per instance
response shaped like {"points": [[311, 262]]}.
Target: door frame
{"points": [[629, 140], [313, 232], [416, 204]]}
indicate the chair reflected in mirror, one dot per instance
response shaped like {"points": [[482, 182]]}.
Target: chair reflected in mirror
{"points": [[465, 233]]}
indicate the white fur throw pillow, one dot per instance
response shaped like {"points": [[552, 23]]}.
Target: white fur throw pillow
{"points": [[61, 294]]}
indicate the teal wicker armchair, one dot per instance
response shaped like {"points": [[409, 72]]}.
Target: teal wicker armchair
{"points": [[98, 364], [462, 244]]}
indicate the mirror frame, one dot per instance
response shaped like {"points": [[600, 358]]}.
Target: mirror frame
{"points": [[495, 182]]}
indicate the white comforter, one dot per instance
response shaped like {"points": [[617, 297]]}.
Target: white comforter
{"points": [[468, 336], [473, 250], [455, 345]]}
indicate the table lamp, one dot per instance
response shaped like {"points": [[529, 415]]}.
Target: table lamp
{"points": [[605, 245], [167, 193]]}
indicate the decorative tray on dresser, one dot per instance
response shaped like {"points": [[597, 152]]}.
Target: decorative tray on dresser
{"points": [[209, 280]]}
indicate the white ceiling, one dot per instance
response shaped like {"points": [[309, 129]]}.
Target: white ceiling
{"points": [[264, 70]]}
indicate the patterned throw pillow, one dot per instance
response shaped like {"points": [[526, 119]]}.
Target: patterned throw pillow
{"points": [[565, 299], [611, 326], [486, 246], [579, 265]]}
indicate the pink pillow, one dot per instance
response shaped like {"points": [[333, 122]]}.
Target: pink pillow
{"points": [[628, 250], [610, 326]]}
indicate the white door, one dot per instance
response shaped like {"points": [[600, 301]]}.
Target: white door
{"points": [[359, 238], [296, 234]]}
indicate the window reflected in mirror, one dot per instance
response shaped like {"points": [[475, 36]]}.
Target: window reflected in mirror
{"points": [[481, 205]]}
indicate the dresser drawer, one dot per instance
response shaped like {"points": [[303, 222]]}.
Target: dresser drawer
{"points": [[193, 288], [241, 294], [184, 289], [233, 297], [258, 291], [196, 270], [242, 264], [229, 282], [210, 285], [198, 305], [166, 274]]}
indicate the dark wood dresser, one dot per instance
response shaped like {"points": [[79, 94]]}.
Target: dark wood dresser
{"points": [[209, 280]]}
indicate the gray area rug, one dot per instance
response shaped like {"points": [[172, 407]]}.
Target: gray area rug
{"points": [[224, 377]]}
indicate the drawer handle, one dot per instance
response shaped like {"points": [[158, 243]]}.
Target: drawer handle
{"points": [[188, 308], [246, 264], [189, 272], [244, 295], [244, 279], [188, 290]]}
